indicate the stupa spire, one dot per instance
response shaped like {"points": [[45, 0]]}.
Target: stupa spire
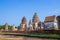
{"points": [[24, 20], [35, 18], [23, 25]]}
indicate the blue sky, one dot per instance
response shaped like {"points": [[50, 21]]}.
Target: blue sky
{"points": [[12, 11]]}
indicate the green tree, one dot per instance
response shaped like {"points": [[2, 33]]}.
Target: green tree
{"points": [[1, 27], [9, 27]]}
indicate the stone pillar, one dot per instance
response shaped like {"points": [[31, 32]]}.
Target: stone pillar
{"points": [[6, 27]]}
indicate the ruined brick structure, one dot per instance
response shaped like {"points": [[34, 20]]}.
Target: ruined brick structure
{"points": [[6, 27], [35, 24], [50, 24], [30, 25], [23, 25], [35, 21], [13, 28]]}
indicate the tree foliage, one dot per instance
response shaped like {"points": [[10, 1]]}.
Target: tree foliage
{"points": [[3, 27], [9, 27]]}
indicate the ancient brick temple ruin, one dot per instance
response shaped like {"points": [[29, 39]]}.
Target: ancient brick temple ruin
{"points": [[6, 27], [13, 28], [50, 23], [35, 24], [23, 25]]}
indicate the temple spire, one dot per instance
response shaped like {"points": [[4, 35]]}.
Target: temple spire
{"points": [[23, 25], [23, 20], [35, 21], [35, 18]]}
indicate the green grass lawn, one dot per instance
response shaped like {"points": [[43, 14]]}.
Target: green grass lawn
{"points": [[46, 35]]}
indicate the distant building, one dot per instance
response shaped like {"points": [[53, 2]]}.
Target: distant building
{"points": [[35, 21], [35, 24], [6, 27], [23, 25], [51, 23]]}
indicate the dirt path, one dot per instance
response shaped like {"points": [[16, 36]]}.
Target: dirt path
{"points": [[6, 37]]}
